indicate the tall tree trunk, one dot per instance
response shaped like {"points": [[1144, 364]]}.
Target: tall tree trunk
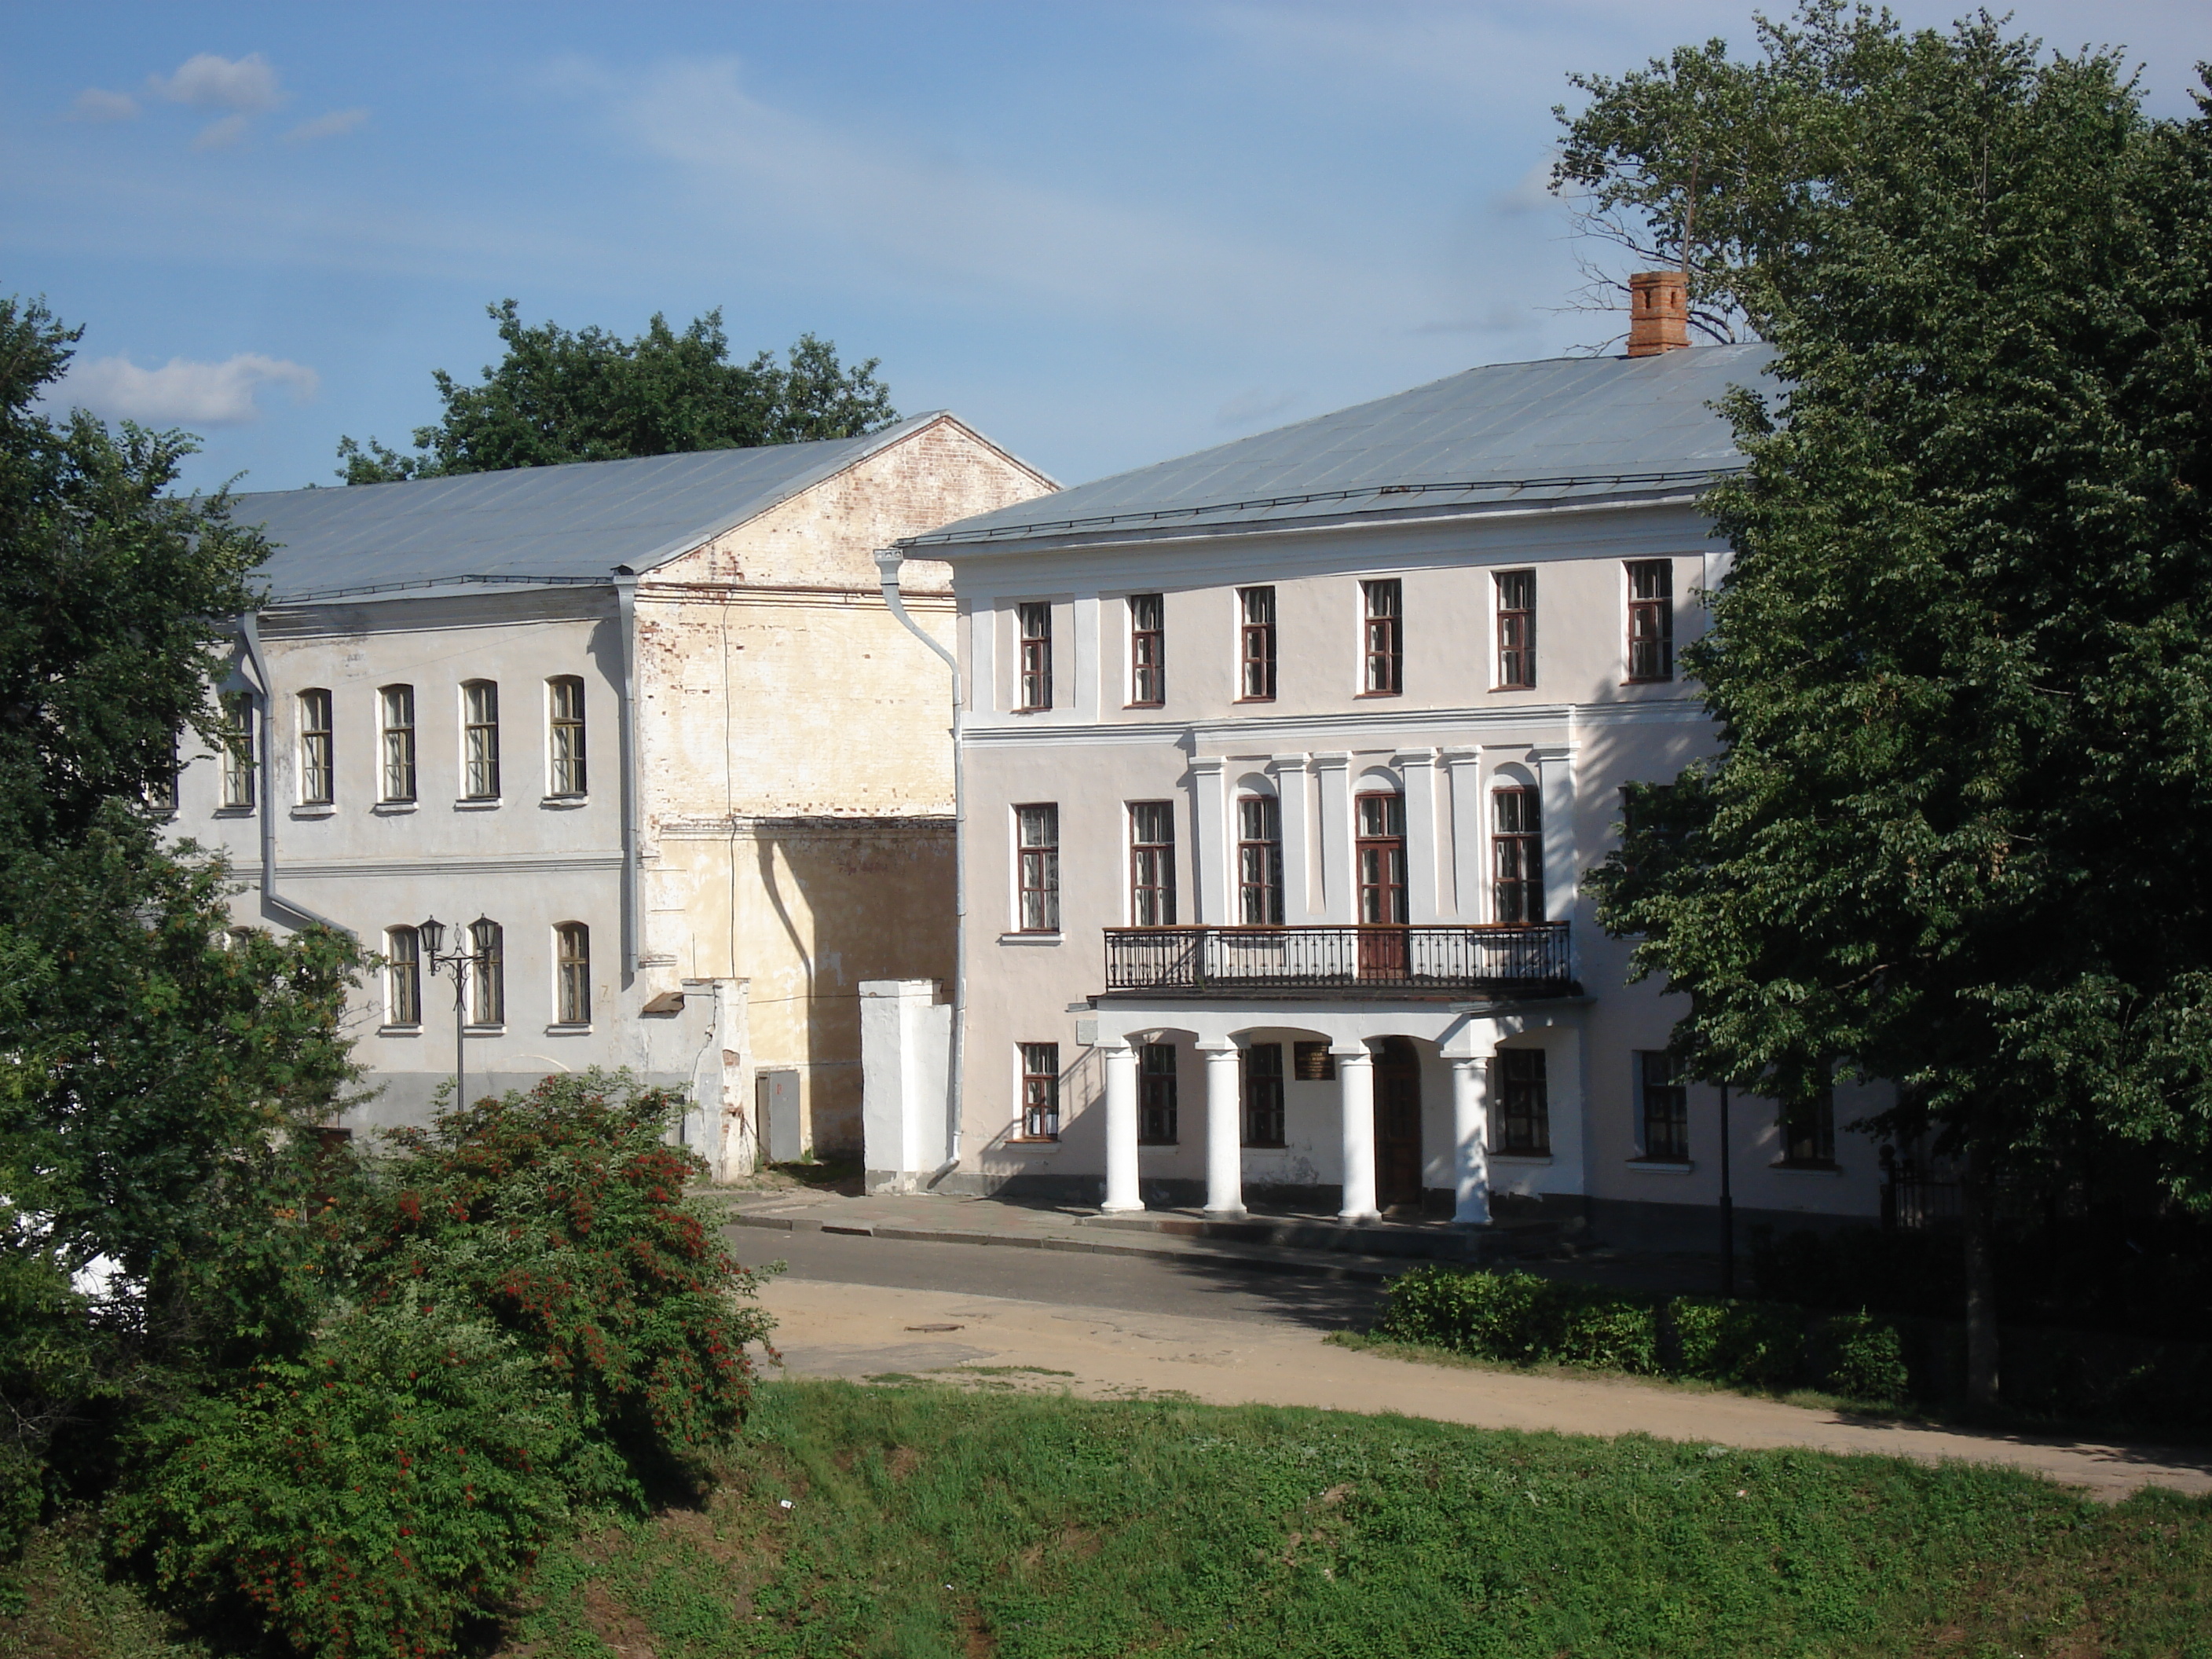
{"points": [[1981, 1283]]}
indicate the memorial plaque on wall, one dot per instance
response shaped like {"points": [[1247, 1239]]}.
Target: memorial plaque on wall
{"points": [[1314, 1063]]}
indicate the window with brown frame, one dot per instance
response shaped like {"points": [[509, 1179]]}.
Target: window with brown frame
{"points": [[1524, 1114], [1808, 1132], [315, 781], [1035, 690], [403, 976], [1148, 665], [1664, 1103], [1255, 644], [1263, 1094], [1384, 604], [1651, 619], [1156, 1095], [1152, 864], [1260, 861], [1517, 856], [564, 711], [396, 710], [1381, 854], [1040, 1090], [1036, 835], [571, 953], [238, 766], [1516, 630]]}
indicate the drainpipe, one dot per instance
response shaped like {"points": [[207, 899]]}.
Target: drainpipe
{"points": [[633, 911], [249, 628], [888, 560]]}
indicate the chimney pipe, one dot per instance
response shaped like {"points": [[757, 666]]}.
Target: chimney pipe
{"points": [[1658, 313]]}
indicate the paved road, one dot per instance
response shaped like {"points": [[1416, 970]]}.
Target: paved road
{"points": [[1124, 1326], [1198, 1288]]}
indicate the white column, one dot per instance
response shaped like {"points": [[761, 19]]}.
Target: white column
{"points": [[1297, 814], [1418, 767], [1209, 843], [1463, 773], [1121, 1128], [1471, 1138], [1355, 1089], [1333, 781], [1562, 869], [1225, 1134]]}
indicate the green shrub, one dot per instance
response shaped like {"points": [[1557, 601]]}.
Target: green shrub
{"points": [[1612, 1332], [1521, 1317], [369, 1497], [1756, 1345], [1860, 1356]]}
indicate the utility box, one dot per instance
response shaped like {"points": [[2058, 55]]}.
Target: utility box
{"points": [[778, 1093]]}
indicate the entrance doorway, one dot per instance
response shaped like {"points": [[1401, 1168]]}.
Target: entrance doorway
{"points": [[1397, 1124]]}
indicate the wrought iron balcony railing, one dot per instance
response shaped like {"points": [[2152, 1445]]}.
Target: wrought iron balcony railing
{"points": [[1528, 960]]}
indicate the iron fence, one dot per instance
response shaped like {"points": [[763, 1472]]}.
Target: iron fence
{"points": [[1529, 960]]}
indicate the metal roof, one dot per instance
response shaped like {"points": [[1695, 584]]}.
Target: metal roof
{"points": [[583, 522], [1553, 430]]}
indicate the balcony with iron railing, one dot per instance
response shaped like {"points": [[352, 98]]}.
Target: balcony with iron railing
{"points": [[1529, 960]]}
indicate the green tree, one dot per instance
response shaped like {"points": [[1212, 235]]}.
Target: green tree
{"points": [[1960, 834], [589, 395]]}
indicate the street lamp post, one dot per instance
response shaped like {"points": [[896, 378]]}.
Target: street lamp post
{"points": [[432, 934]]}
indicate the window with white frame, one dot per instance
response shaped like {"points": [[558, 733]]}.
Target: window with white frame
{"points": [[572, 968], [403, 976], [1036, 876], [395, 708], [486, 974], [315, 778], [564, 707], [480, 740]]}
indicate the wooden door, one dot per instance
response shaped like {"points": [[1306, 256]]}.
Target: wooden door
{"points": [[1397, 1124]]}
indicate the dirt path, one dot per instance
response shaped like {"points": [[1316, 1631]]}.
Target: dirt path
{"points": [[858, 1331]]}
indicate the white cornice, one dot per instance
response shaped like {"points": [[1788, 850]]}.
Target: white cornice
{"points": [[1364, 730]]}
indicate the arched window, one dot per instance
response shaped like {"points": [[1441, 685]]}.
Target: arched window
{"points": [[396, 714], [480, 740], [315, 748], [238, 749], [486, 974], [1382, 855], [1259, 861], [403, 976], [564, 708], [572, 956], [1517, 856]]}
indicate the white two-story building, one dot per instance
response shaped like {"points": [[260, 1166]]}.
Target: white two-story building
{"points": [[1282, 764]]}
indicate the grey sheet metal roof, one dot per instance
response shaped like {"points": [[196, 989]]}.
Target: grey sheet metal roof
{"points": [[579, 523], [1554, 430]]}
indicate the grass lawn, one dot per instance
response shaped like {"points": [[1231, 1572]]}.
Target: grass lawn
{"points": [[933, 1520]]}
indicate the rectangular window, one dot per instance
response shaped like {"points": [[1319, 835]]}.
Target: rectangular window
{"points": [[1380, 853], [396, 706], [1040, 1091], [1260, 861], [1384, 601], [1315, 1062], [1664, 1106], [1516, 630], [403, 977], [1148, 662], [1156, 1095], [315, 748], [486, 974], [1517, 857], [238, 749], [1651, 619], [1036, 658], [1256, 644], [1037, 834], [1524, 1116], [1152, 864], [1809, 1131], [572, 956], [480, 739], [161, 787], [1263, 1094], [565, 709]]}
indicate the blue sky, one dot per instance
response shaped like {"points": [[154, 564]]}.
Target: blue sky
{"points": [[1105, 234]]}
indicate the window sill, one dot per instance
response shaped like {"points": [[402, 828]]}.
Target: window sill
{"points": [[400, 1030], [1040, 708], [1266, 1145], [485, 1031], [391, 809], [1530, 686], [563, 803], [1785, 1167], [478, 803], [1034, 1142], [1656, 679], [1520, 1157], [559, 1028], [1378, 694], [1157, 1145], [235, 812], [1661, 1165], [1254, 699], [1029, 939], [1143, 705], [320, 808]]}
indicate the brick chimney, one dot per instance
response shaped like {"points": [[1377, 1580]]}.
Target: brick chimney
{"points": [[1658, 313]]}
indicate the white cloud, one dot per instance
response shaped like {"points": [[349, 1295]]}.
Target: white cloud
{"points": [[98, 103], [182, 393], [246, 84], [1530, 193], [221, 135], [326, 127]]}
